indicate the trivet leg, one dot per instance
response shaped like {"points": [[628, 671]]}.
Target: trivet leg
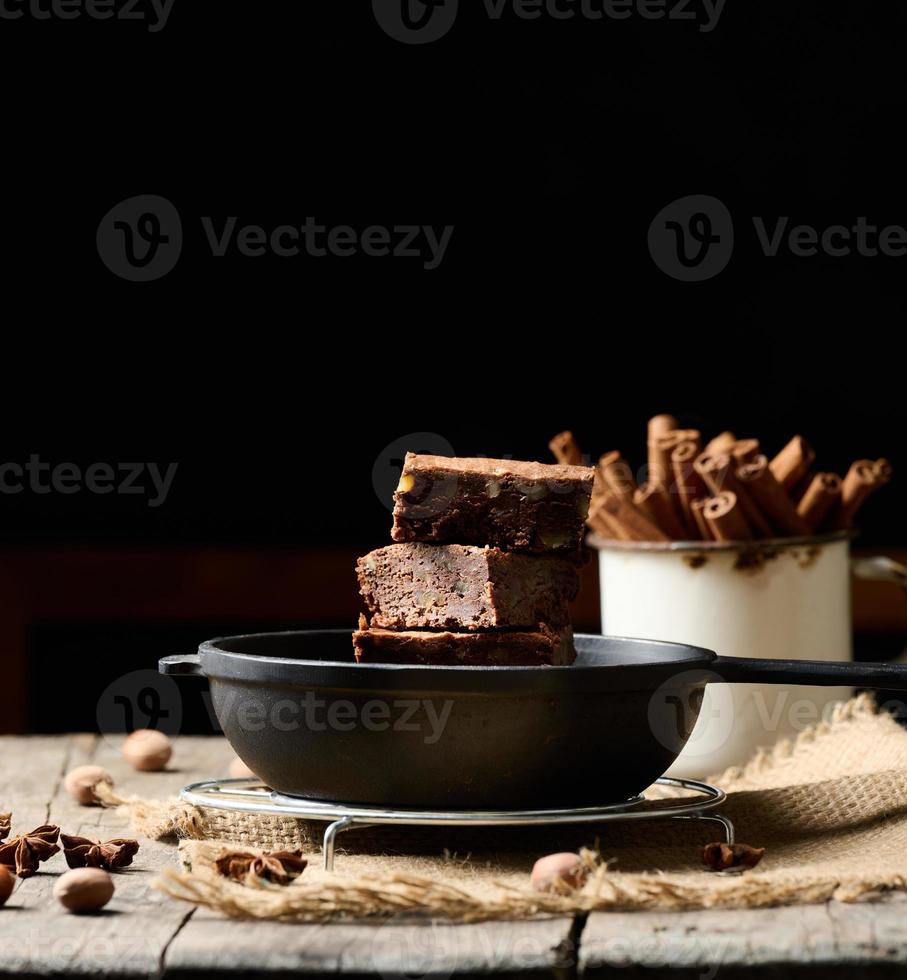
{"points": [[715, 818], [724, 821], [344, 823]]}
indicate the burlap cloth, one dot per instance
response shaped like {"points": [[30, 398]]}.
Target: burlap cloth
{"points": [[830, 809]]}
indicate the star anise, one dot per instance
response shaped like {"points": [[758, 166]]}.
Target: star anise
{"points": [[25, 853], [6, 820], [280, 867], [724, 857], [82, 852]]}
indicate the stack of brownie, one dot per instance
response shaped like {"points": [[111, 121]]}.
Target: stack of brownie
{"points": [[484, 568]]}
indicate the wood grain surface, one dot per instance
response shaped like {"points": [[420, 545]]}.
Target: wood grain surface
{"points": [[145, 934]]}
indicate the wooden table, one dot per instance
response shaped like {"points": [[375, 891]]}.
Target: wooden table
{"points": [[145, 934]]}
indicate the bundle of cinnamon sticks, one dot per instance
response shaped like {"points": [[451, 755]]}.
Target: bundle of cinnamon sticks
{"points": [[726, 490]]}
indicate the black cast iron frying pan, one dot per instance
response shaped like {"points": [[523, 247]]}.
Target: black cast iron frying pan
{"points": [[311, 722]]}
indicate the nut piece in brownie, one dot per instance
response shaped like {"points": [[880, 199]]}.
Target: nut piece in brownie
{"points": [[511, 504], [416, 585], [502, 648]]}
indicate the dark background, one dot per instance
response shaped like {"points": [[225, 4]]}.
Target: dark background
{"points": [[276, 383]]}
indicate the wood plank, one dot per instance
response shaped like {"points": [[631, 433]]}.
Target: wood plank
{"points": [[859, 939], [391, 949], [130, 936], [144, 933]]}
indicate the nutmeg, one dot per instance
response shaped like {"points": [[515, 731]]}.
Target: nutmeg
{"points": [[7, 884], [147, 750], [239, 770], [81, 781], [84, 890], [558, 873]]}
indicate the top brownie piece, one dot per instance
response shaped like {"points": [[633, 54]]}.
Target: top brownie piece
{"points": [[509, 504]]}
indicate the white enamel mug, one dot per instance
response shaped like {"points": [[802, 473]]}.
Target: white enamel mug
{"points": [[787, 599]]}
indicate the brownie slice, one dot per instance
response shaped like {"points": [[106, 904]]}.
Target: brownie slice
{"points": [[510, 504], [418, 585], [502, 648]]}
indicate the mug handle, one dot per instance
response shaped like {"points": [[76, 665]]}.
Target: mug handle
{"points": [[878, 568]]}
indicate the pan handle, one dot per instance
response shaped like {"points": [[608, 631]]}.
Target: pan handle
{"points": [[181, 664], [887, 677]]}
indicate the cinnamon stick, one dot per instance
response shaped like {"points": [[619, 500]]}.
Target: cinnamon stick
{"points": [[660, 449], [719, 475], [745, 450], [598, 518], [770, 497], [791, 464], [883, 471], [565, 449], [602, 524], [688, 483], [822, 495], [660, 424], [702, 525], [722, 443], [617, 475], [863, 477], [631, 520], [724, 516], [654, 501], [798, 490]]}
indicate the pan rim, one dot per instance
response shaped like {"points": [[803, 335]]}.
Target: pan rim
{"points": [[684, 655]]}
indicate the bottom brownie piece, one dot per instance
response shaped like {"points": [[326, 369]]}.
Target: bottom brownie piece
{"points": [[493, 648]]}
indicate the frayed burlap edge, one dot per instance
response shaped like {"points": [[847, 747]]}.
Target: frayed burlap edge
{"points": [[319, 896], [157, 819]]}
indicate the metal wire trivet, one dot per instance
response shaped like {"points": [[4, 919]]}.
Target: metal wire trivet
{"points": [[250, 796]]}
